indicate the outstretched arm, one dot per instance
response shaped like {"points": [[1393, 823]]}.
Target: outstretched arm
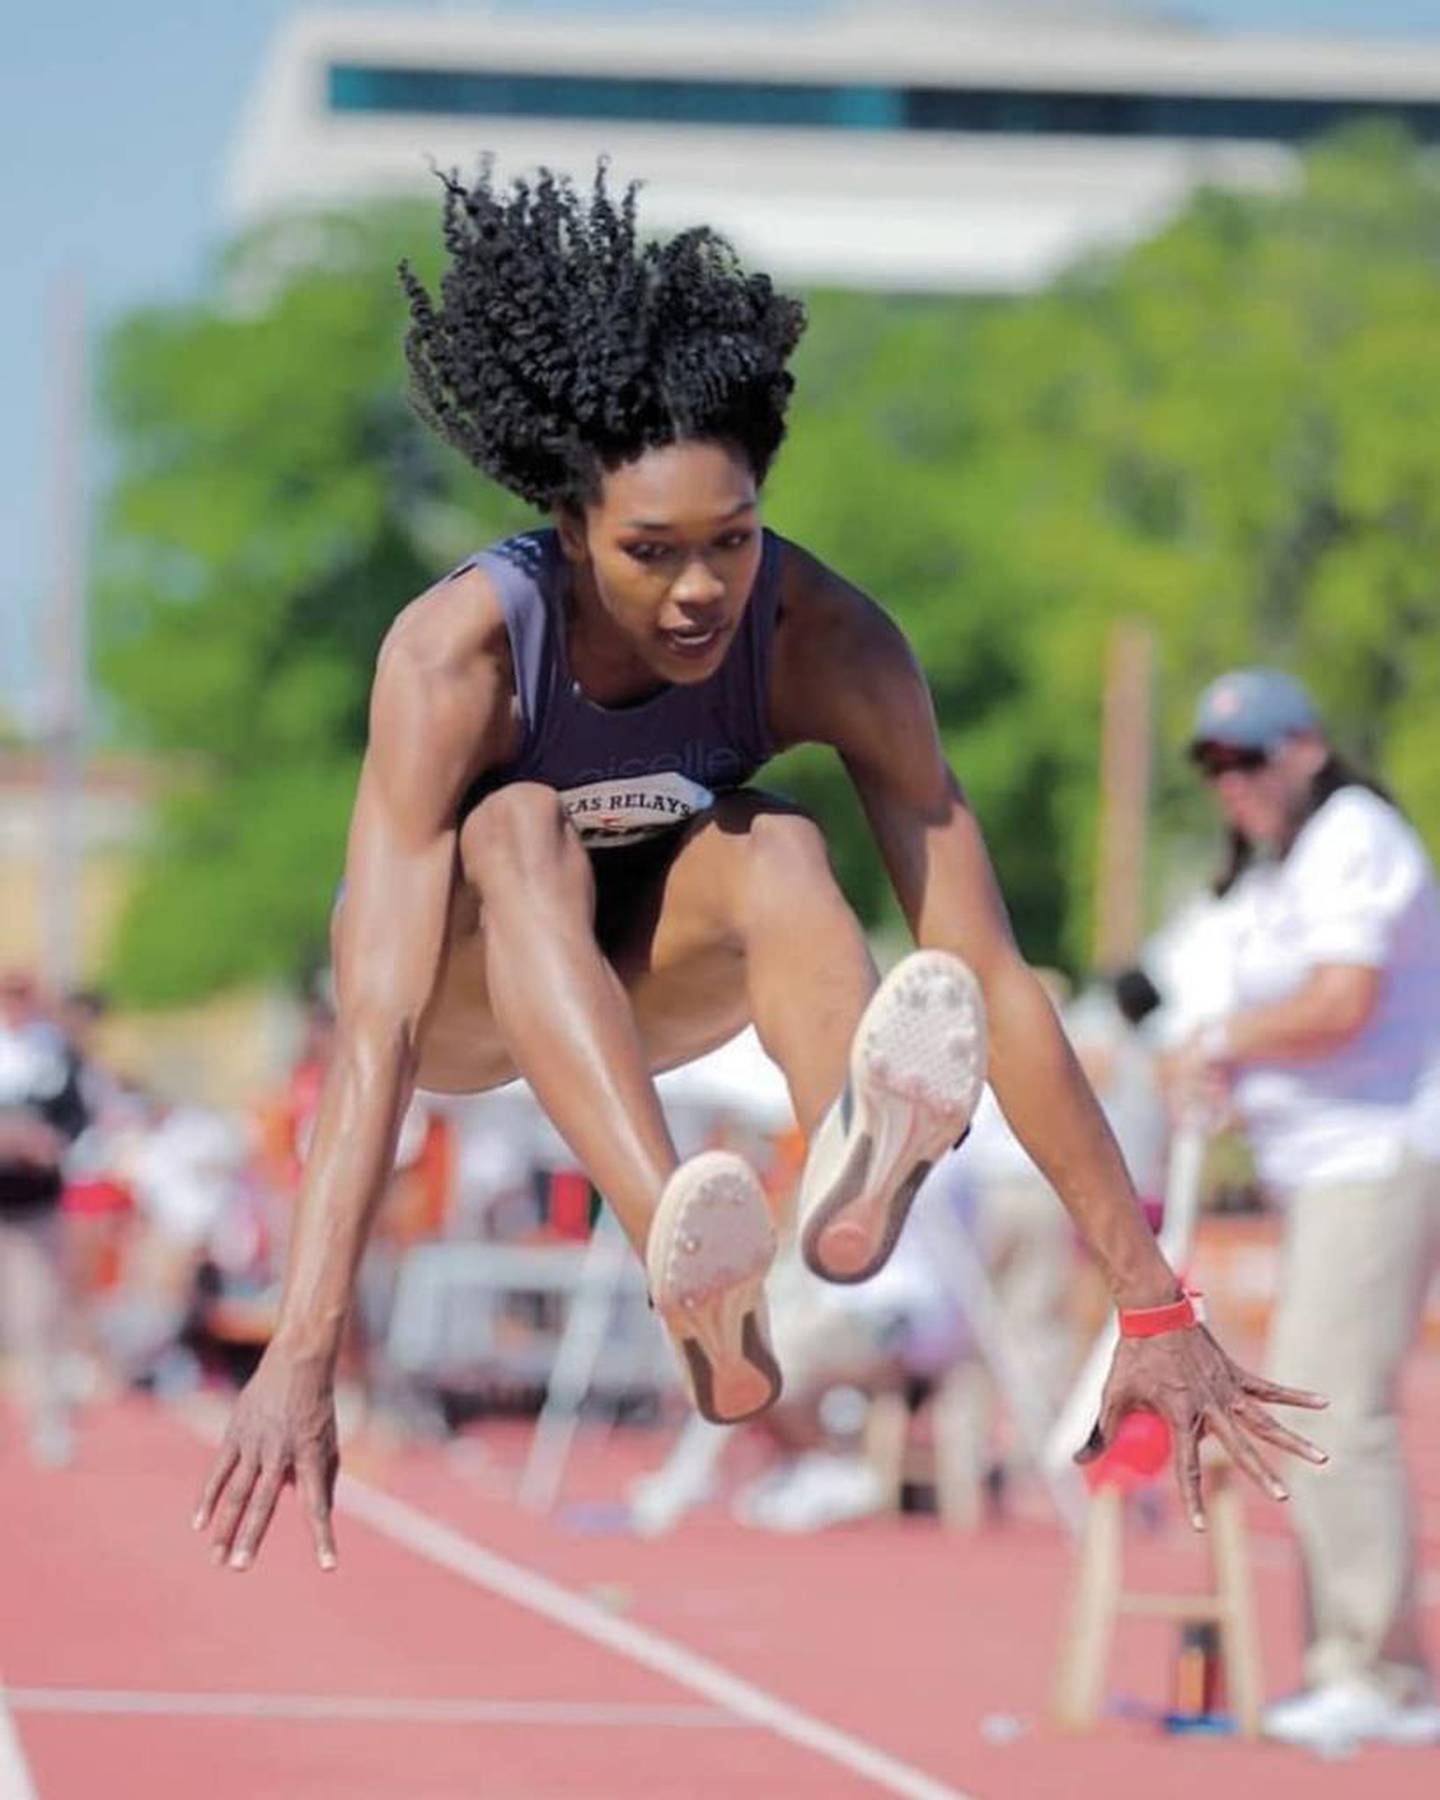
{"points": [[863, 693], [438, 695]]}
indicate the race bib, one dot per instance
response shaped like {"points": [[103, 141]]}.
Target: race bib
{"points": [[608, 814]]}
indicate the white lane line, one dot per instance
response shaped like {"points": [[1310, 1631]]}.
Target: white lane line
{"points": [[16, 1782], [362, 1709], [418, 1532]]}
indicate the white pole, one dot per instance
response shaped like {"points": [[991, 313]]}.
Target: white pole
{"points": [[64, 698], [581, 1344]]}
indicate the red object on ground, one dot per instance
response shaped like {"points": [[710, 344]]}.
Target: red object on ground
{"points": [[1139, 1451]]}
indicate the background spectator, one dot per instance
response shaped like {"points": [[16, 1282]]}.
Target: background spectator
{"points": [[41, 1113], [1328, 1050]]}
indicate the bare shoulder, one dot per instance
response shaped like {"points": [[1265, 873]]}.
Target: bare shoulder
{"points": [[453, 633], [442, 708], [841, 662], [823, 613]]}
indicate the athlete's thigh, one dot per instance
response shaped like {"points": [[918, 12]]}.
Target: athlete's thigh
{"points": [[660, 931], [461, 1049], [685, 1006], [665, 917]]}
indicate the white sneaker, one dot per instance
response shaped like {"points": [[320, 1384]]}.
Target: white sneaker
{"points": [[686, 1479], [817, 1491], [711, 1245], [1344, 1713], [751, 1504], [659, 1501], [917, 1069]]}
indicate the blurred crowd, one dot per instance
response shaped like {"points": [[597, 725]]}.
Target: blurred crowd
{"points": [[142, 1237], [143, 1240], [118, 1208]]}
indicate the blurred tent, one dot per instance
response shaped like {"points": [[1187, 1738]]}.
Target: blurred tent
{"points": [[738, 1079]]}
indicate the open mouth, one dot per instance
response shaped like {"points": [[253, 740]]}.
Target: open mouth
{"points": [[693, 643]]}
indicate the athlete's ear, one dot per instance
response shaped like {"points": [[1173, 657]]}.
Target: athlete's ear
{"points": [[570, 525]]}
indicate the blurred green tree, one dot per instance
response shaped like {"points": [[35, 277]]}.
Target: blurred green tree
{"points": [[1225, 431], [276, 502]]}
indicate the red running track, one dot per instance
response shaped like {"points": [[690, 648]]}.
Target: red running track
{"points": [[466, 1650]]}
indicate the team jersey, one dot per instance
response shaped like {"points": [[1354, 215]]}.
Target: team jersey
{"points": [[626, 773]]}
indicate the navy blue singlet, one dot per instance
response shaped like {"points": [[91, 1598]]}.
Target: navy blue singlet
{"points": [[626, 773]]}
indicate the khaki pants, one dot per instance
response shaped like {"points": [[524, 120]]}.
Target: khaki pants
{"points": [[32, 1312], [1358, 1260]]}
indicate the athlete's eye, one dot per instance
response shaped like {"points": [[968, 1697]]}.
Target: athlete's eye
{"points": [[646, 551], [734, 540]]}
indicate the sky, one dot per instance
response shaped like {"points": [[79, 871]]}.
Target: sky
{"points": [[114, 125]]}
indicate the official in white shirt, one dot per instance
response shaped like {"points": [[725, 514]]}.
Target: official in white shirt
{"points": [[1329, 1054]]}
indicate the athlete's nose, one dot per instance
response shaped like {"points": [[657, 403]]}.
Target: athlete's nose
{"points": [[697, 588]]}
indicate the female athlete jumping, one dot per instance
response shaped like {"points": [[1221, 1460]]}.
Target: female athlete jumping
{"points": [[557, 868]]}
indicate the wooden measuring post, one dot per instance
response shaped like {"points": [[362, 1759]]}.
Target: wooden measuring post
{"points": [[1100, 1597], [1124, 795]]}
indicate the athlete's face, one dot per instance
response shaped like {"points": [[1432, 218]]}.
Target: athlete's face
{"points": [[666, 557]]}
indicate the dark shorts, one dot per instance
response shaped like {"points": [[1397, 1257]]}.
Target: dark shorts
{"points": [[629, 884], [630, 878], [629, 881]]}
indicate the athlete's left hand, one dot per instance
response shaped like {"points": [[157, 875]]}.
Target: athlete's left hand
{"points": [[1189, 1380]]}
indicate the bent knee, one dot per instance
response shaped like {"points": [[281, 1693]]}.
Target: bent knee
{"points": [[780, 851], [518, 833], [785, 843]]}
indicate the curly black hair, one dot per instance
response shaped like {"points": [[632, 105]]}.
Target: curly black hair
{"points": [[563, 346]]}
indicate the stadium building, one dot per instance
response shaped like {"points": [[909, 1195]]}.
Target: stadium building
{"points": [[946, 147]]}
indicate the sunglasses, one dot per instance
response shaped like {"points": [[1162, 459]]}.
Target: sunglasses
{"points": [[1215, 760]]}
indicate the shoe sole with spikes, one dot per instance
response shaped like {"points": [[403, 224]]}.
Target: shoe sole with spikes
{"points": [[917, 1070], [711, 1245]]}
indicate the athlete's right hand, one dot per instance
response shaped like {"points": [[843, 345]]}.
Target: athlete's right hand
{"points": [[282, 1431]]}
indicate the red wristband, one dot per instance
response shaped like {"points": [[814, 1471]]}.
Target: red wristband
{"points": [[1150, 1321]]}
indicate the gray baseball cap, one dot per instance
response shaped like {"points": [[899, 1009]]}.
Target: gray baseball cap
{"points": [[1252, 709]]}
